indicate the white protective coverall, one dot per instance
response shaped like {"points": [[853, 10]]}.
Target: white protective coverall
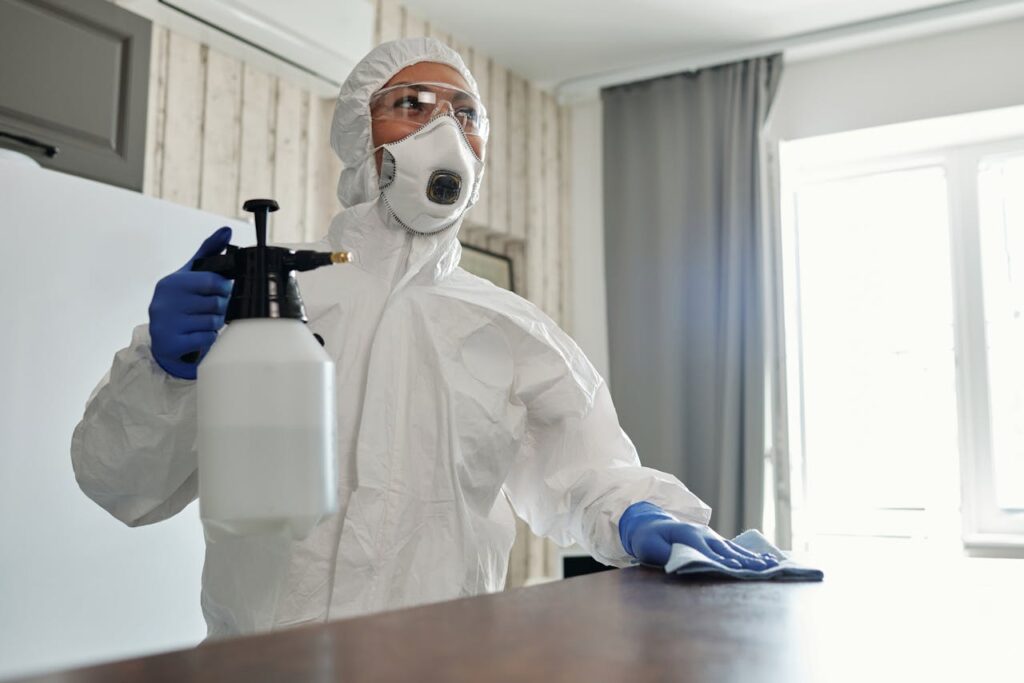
{"points": [[459, 403]]}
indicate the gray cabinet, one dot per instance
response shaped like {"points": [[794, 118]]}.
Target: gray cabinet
{"points": [[74, 75]]}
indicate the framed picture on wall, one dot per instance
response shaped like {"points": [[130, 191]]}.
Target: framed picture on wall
{"points": [[489, 265]]}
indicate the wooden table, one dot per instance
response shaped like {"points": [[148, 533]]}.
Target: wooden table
{"points": [[638, 624]]}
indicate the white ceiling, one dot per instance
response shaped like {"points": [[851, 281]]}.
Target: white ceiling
{"points": [[552, 41]]}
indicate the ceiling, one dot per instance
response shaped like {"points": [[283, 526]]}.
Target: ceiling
{"points": [[553, 41]]}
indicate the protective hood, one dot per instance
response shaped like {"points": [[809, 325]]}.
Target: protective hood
{"points": [[350, 128]]}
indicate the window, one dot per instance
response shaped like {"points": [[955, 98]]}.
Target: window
{"points": [[904, 289], [998, 507]]}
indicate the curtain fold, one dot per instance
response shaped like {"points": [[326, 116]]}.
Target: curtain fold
{"points": [[687, 251]]}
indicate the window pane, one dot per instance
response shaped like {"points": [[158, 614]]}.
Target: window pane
{"points": [[1001, 193], [877, 339]]}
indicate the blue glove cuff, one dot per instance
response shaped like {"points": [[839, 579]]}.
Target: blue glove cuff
{"points": [[633, 517]]}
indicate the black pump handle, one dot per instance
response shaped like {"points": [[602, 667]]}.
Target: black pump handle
{"points": [[259, 207], [255, 205]]}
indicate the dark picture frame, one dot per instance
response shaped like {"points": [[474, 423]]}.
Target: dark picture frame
{"points": [[490, 265]]}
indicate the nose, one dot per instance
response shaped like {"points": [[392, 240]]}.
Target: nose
{"points": [[442, 108]]}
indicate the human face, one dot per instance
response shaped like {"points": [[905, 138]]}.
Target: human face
{"points": [[387, 130]]}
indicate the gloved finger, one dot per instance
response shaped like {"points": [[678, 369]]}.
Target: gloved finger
{"points": [[722, 547], [199, 322], [740, 550], [187, 343], [212, 245], [689, 535], [767, 559], [197, 303], [206, 283], [764, 557], [718, 545]]}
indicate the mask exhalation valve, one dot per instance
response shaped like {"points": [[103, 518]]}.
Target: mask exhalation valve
{"points": [[444, 187]]}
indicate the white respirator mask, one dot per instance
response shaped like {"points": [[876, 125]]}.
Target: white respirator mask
{"points": [[428, 179]]}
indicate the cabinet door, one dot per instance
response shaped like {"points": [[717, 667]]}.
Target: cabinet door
{"points": [[74, 75]]}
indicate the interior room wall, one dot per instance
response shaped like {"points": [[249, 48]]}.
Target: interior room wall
{"points": [[939, 75], [263, 135], [221, 131], [586, 226]]}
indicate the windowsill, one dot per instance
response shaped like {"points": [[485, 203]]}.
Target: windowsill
{"points": [[994, 545], [854, 549]]}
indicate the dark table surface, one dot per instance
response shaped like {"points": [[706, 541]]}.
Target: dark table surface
{"points": [[869, 623]]}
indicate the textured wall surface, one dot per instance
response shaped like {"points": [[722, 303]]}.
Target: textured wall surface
{"points": [[221, 132]]}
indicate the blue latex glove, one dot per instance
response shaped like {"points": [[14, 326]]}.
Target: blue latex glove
{"points": [[647, 533], [187, 310]]}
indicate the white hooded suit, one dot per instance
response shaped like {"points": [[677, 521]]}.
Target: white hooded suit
{"points": [[460, 404]]}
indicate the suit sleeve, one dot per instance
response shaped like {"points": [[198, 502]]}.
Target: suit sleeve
{"points": [[134, 451], [577, 471]]}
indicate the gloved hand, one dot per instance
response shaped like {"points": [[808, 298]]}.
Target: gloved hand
{"points": [[187, 310], [647, 533]]}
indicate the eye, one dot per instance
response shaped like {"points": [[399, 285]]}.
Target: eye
{"points": [[468, 114], [408, 102]]}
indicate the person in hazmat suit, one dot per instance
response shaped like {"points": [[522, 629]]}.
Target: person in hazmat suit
{"points": [[459, 403]]}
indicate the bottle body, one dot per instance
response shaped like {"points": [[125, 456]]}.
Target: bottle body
{"points": [[267, 429]]}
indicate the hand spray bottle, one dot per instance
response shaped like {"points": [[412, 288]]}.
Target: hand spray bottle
{"points": [[266, 397]]}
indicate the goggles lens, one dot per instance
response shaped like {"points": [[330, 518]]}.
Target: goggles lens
{"points": [[418, 102]]}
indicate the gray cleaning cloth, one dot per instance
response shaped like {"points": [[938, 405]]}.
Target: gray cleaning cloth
{"points": [[686, 561]]}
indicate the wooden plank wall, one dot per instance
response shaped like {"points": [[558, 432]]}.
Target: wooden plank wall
{"points": [[523, 208], [221, 132]]}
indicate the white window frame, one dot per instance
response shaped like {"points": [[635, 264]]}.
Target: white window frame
{"points": [[985, 528], [985, 525]]}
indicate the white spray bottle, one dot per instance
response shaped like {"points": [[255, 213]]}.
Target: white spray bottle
{"points": [[266, 397]]}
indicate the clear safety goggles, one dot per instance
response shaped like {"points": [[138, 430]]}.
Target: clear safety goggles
{"points": [[417, 103]]}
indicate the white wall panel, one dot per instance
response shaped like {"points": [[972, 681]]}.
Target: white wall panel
{"points": [[518, 136], [291, 140], [551, 252], [222, 119], [323, 169], [531, 202], [389, 21], [223, 131], [257, 145], [497, 149], [413, 26], [480, 66], [154, 162], [183, 119]]}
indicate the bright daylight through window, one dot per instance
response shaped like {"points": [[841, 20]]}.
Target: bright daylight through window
{"points": [[1001, 194], [904, 287]]}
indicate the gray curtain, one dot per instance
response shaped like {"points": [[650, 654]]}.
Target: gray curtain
{"points": [[684, 250]]}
